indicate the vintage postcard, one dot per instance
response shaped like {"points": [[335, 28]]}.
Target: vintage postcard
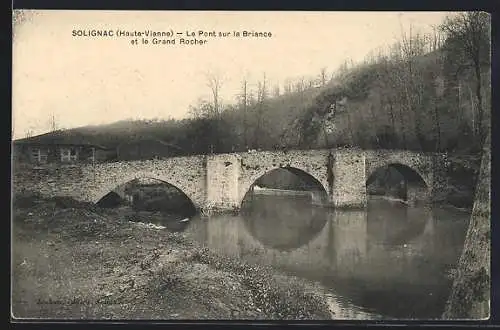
{"points": [[180, 165]]}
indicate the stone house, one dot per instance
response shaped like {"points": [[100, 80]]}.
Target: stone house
{"points": [[59, 147]]}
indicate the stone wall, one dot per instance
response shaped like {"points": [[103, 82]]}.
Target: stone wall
{"points": [[49, 180]]}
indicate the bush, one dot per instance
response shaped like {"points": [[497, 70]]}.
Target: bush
{"points": [[64, 202], [164, 281], [25, 200]]}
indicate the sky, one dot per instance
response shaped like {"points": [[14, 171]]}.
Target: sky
{"points": [[97, 80]]}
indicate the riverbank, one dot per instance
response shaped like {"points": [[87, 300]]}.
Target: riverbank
{"points": [[81, 262], [471, 293]]}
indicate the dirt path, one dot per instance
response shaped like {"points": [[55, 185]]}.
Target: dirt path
{"points": [[75, 263]]}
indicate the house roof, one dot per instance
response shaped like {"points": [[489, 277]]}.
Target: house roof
{"points": [[72, 138], [60, 138], [150, 139]]}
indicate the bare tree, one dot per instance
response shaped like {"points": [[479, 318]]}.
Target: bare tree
{"points": [[287, 86], [343, 69], [215, 85], [202, 109], [468, 34], [276, 91], [262, 94], [435, 39], [300, 87], [244, 103], [411, 80], [262, 90], [53, 126], [322, 76], [29, 133], [211, 112]]}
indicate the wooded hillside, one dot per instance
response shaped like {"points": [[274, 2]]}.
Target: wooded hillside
{"points": [[426, 92]]}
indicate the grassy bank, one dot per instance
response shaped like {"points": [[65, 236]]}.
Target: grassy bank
{"points": [[71, 260]]}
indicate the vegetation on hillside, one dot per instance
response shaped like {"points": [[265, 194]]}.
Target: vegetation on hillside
{"points": [[425, 92], [417, 95]]}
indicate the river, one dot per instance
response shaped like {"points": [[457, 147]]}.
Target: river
{"points": [[389, 260]]}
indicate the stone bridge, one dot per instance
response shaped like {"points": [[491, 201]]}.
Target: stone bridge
{"points": [[223, 180]]}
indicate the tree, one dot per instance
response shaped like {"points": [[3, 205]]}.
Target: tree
{"points": [[300, 87], [244, 103], [203, 109], [262, 94], [468, 40], [276, 90], [287, 86], [214, 82], [322, 76], [53, 126], [410, 82], [208, 138], [215, 85], [29, 133], [435, 39]]}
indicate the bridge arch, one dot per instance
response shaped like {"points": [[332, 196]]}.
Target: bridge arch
{"points": [[406, 160], [249, 181], [416, 185], [105, 188]]}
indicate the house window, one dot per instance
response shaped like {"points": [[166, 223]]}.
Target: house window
{"points": [[68, 154], [39, 155]]}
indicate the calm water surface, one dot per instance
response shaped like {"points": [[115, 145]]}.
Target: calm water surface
{"points": [[390, 259]]}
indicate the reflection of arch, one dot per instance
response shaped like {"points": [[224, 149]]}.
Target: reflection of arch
{"points": [[301, 173], [110, 186], [393, 224], [282, 223]]}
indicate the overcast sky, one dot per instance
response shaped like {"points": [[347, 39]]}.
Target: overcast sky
{"points": [[97, 80]]}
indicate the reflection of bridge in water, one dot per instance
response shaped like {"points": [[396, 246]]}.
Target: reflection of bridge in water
{"points": [[349, 244], [389, 250]]}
